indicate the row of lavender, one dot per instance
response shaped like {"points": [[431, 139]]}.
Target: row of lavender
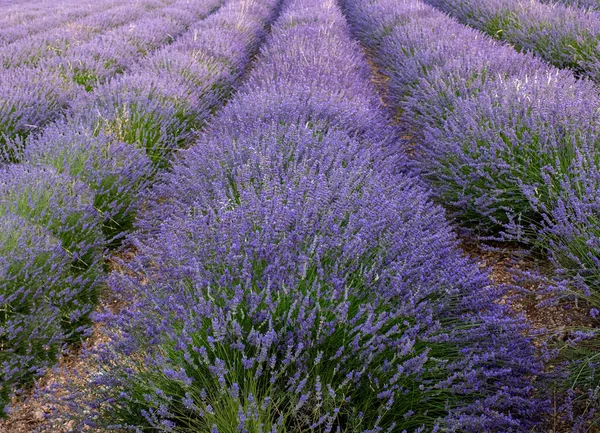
{"points": [[80, 181], [508, 143], [567, 37], [287, 280], [46, 72], [19, 21], [592, 5]]}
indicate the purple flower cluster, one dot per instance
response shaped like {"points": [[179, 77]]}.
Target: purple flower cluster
{"points": [[564, 36], [19, 22], [81, 176], [288, 280], [37, 48]]}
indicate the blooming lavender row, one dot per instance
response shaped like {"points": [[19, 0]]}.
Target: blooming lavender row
{"points": [[50, 269], [30, 19], [33, 271], [116, 137], [35, 95], [290, 282], [78, 182], [504, 140], [117, 51], [508, 143], [9, 3], [563, 36], [591, 5], [31, 50]]}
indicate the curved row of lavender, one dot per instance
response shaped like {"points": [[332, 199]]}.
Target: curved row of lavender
{"points": [[62, 206], [47, 72], [288, 281], [506, 142], [567, 37]]}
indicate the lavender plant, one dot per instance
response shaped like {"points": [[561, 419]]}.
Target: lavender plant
{"points": [[116, 172], [509, 147], [32, 50], [34, 291], [284, 299], [26, 107], [65, 208], [36, 95], [117, 51], [173, 94], [19, 22]]}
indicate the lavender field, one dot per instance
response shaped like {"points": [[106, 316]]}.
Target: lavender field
{"points": [[272, 216]]}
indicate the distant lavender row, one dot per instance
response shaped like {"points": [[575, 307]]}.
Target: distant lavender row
{"points": [[21, 9], [116, 137], [509, 144], [585, 4], [29, 51], [76, 184], [12, 3], [43, 17], [563, 36], [292, 283], [33, 96]]}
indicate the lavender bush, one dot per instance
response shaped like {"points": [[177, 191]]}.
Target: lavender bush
{"points": [[30, 51], [65, 208], [263, 316], [299, 284], [19, 22], [34, 281], [117, 51], [173, 94], [34, 95], [24, 108], [115, 171], [501, 155], [563, 36], [49, 284]]}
